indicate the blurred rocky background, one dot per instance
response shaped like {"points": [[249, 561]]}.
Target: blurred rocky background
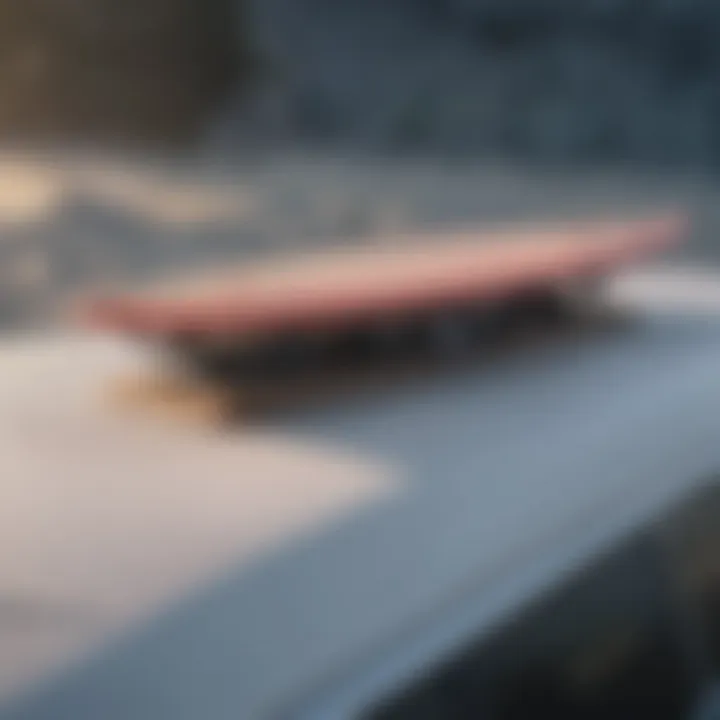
{"points": [[264, 124], [116, 71], [552, 80]]}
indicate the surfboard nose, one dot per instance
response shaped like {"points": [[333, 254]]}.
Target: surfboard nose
{"points": [[666, 230]]}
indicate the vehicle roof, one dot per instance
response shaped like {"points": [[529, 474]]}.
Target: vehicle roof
{"points": [[229, 576]]}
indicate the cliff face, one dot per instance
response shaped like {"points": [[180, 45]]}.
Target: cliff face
{"points": [[547, 79], [103, 70]]}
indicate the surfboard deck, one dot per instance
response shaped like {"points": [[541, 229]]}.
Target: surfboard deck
{"points": [[327, 291]]}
